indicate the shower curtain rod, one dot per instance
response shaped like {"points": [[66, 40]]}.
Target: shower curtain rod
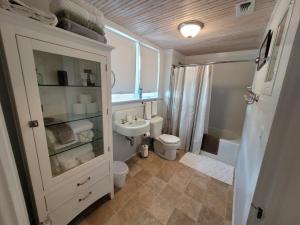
{"points": [[216, 62]]}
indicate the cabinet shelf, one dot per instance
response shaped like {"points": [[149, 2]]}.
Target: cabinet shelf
{"points": [[68, 117], [97, 137], [71, 85]]}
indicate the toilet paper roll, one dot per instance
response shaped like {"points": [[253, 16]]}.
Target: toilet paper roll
{"points": [[85, 99], [147, 134], [79, 108], [92, 107]]}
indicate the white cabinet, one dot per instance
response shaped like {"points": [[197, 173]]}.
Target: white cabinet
{"points": [[61, 87]]}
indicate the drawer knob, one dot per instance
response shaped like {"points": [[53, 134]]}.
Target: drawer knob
{"points": [[85, 197], [82, 183]]}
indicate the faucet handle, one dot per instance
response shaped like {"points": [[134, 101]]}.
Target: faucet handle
{"points": [[135, 117]]}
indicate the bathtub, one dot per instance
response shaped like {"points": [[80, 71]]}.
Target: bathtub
{"points": [[229, 146]]}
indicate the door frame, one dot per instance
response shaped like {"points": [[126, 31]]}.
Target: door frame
{"points": [[14, 210]]}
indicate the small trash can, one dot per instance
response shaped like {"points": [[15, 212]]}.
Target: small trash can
{"points": [[120, 170]]}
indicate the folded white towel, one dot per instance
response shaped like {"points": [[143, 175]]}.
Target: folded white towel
{"points": [[95, 14], [72, 158], [81, 125], [147, 110], [52, 142], [20, 8], [58, 5]]}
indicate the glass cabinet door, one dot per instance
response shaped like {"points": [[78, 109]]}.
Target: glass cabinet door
{"points": [[70, 97], [66, 95]]}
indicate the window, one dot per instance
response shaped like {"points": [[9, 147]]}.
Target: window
{"points": [[135, 65]]}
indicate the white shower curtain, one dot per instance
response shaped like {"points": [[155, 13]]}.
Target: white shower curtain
{"points": [[189, 104]]}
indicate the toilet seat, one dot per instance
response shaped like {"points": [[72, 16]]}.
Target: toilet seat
{"points": [[169, 139]]}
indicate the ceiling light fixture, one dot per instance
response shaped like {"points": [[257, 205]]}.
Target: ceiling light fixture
{"points": [[190, 29]]}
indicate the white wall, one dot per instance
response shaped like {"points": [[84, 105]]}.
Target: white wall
{"points": [[258, 122]]}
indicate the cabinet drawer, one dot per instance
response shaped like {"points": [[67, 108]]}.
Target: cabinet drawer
{"points": [[93, 193], [70, 209], [69, 189]]}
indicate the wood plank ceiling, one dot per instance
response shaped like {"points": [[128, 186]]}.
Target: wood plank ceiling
{"points": [[157, 21]]}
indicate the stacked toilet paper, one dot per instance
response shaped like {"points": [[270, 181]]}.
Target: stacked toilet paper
{"points": [[85, 105]]}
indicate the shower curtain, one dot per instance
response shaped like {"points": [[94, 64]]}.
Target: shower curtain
{"points": [[189, 105]]}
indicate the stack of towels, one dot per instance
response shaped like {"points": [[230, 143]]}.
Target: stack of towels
{"points": [[79, 17], [22, 9], [67, 134]]}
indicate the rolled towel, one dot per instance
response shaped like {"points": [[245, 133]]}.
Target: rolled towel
{"points": [[67, 160], [86, 157], [71, 26], [85, 136], [80, 154], [81, 125], [55, 166]]}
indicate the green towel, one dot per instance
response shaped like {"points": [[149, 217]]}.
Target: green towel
{"points": [[78, 19]]}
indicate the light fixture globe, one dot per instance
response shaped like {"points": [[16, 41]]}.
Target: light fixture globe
{"points": [[190, 29]]}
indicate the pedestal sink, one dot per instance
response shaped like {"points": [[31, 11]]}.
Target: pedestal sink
{"points": [[133, 128]]}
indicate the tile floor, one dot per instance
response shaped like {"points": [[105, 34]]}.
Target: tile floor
{"points": [[160, 192]]}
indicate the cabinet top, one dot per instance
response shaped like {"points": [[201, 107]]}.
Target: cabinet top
{"points": [[34, 29]]}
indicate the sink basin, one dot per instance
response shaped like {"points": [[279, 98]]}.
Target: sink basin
{"points": [[132, 128]]}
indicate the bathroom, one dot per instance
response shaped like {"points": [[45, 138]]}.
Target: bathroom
{"points": [[143, 112]]}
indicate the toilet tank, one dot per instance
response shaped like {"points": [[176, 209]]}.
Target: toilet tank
{"points": [[156, 124]]}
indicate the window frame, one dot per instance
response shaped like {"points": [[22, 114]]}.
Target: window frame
{"points": [[119, 98]]}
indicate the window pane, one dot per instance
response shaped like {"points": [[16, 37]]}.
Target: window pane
{"points": [[123, 62], [149, 69]]}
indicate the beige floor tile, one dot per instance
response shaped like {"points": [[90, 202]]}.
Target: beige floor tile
{"points": [[189, 206], [229, 211], [216, 204], [209, 217], [179, 218], [195, 192], [146, 196], [143, 176], [219, 189], [100, 216], [169, 194], [134, 170], [115, 220], [160, 192], [147, 219], [131, 212], [161, 209], [156, 184], [167, 171], [201, 181], [179, 183]]}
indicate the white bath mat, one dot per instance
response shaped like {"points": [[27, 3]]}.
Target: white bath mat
{"points": [[211, 167]]}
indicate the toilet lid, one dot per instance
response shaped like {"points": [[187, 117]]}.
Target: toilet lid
{"points": [[169, 139]]}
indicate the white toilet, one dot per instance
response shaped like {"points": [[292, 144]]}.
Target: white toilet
{"points": [[165, 145]]}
